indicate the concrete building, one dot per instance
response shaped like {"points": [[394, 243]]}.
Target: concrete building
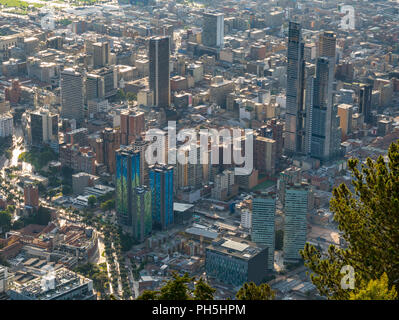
{"points": [[262, 231], [295, 223], [236, 261], [72, 98]]}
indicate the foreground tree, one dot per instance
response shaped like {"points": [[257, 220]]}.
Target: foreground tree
{"points": [[250, 291], [376, 290], [369, 222], [203, 291], [177, 289]]}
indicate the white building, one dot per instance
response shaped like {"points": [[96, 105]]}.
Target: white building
{"points": [[6, 125]]}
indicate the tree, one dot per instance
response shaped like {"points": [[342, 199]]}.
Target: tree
{"points": [[376, 290], [250, 291], [203, 291], [130, 96], [108, 205], [5, 221], [92, 201], [369, 222], [177, 289]]}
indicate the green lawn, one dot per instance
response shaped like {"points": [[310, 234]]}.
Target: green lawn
{"points": [[19, 4], [264, 185]]}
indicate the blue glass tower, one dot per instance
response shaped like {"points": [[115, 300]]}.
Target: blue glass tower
{"points": [[127, 178], [161, 184]]}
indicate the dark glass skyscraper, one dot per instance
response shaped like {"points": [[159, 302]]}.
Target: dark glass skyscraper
{"points": [[159, 51], [365, 94], [127, 178], [325, 141], [295, 114], [161, 184]]}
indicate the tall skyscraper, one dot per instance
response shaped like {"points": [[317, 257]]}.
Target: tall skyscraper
{"points": [[213, 30], [159, 52], [295, 114], [262, 230], [127, 178], [365, 94], [72, 94], [295, 224], [161, 184], [326, 134], [142, 213]]}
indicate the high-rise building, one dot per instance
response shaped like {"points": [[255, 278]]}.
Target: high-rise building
{"points": [[326, 133], [365, 94], [3, 279], [295, 224], [106, 147], [262, 231], [265, 155], [345, 112], [327, 44], [141, 146], [295, 115], [127, 178], [161, 184], [6, 124], [142, 213], [100, 54], [94, 87], [159, 79], [43, 128], [213, 30], [72, 95], [31, 195], [132, 125]]}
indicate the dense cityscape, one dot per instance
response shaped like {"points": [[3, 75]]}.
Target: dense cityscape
{"points": [[144, 142]]}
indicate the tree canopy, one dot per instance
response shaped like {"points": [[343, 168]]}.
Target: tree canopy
{"points": [[250, 291], [369, 221]]}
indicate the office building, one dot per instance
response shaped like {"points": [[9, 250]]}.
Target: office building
{"points": [[3, 279], [31, 195], [142, 213], [101, 52], [364, 98], [72, 95], [345, 112], [6, 125], [236, 261], [326, 133], [43, 128], [327, 44], [106, 146], [262, 231], [161, 184], [132, 125], [295, 223], [159, 52], [213, 30], [61, 284], [295, 111], [127, 178], [265, 155]]}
